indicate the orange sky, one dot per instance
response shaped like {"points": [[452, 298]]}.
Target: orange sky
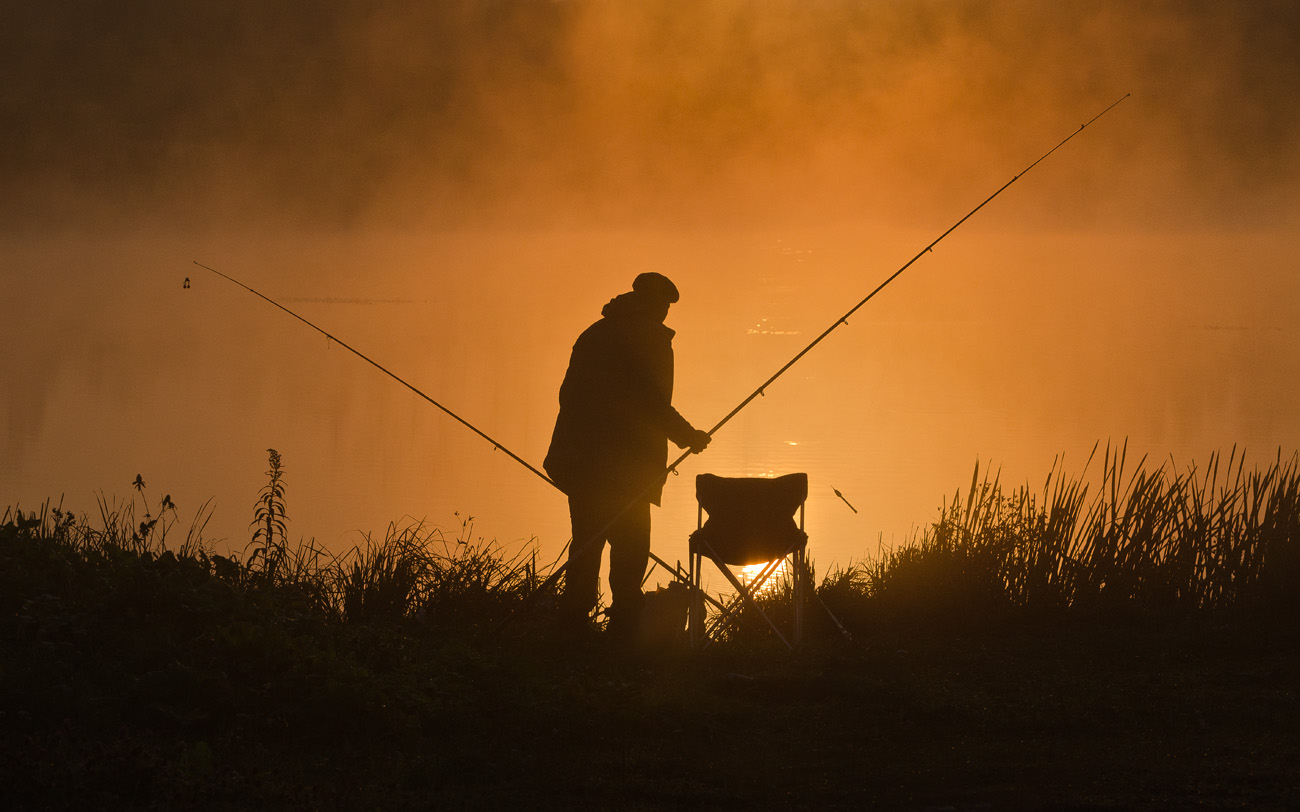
{"points": [[456, 190], [599, 113]]}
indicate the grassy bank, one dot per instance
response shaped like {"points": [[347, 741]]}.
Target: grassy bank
{"points": [[1126, 645]]}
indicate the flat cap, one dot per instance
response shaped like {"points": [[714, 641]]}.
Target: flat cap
{"points": [[655, 285]]}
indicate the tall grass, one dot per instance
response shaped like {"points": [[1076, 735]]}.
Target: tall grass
{"points": [[1127, 538], [418, 572], [118, 528], [1151, 539], [414, 573]]}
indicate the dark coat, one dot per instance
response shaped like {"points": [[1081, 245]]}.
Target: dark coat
{"points": [[616, 410]]}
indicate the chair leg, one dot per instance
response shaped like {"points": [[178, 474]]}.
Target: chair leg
{"points": [[701, 631], [799, 585], [726, 612], [697, 601], [747, 595]]}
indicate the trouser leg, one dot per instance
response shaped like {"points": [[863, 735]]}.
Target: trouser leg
{"points": [[582, 573], [629, 553]]}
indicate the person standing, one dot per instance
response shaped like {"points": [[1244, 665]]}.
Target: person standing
{"points": [[609, 449]]}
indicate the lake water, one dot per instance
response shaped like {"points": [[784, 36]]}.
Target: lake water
{"points": [[1002, 347]]}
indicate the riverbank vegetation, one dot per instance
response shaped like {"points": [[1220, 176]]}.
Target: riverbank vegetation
{"points": [[1126, 641]]}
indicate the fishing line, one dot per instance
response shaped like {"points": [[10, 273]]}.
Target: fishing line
{"points": [[675, 570], [672, 468], [382, 369], [842, 320]]}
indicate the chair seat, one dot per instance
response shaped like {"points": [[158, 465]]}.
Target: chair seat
{"points": [[751, 519], [743, 544]]}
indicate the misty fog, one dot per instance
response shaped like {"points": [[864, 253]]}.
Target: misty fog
{"points": [[596, 113], [456, 188]]}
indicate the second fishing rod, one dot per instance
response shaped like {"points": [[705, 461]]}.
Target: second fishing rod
{"points": [[841, 321], [578, 546], [675, 570]]}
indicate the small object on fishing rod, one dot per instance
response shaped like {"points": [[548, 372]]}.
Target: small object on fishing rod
{"points": [[841, 496], [496, 446]]}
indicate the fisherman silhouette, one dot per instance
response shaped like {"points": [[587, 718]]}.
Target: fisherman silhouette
{"points": [[609, 450]]}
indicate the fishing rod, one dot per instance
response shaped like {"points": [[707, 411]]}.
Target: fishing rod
{"points": [[382, 369], [842, 320], [675, 570], [672, 468]]}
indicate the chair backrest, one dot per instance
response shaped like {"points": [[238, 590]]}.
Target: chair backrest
{"points": [[751, 519]]}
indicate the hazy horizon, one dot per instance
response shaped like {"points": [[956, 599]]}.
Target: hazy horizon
{"points": [[455, 189]]}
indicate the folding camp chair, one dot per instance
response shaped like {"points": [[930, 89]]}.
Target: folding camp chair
{"points": [[750, 522]]}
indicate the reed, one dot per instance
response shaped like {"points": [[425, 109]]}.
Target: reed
{"points": [[1129, 538], [1157, 539], [417, 576], [421, 573]]}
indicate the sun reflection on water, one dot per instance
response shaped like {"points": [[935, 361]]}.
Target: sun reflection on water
{"points": [[751, 572]]}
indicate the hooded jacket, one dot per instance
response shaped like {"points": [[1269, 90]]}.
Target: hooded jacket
{"points": [[616, 410]]}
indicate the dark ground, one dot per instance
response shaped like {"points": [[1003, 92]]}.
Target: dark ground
{"points": [[1037, 719], [160, 688]]}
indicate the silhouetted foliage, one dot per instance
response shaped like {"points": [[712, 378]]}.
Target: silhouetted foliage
{"points": [[146, 672]]}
